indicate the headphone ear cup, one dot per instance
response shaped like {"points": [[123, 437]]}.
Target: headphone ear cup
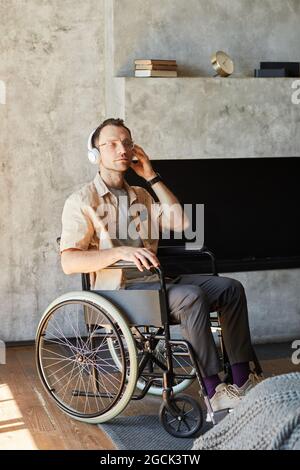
{"points": [[93, 152], [94, 156]]}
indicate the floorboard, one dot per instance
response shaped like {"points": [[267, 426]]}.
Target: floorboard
{"points": [[30, 420]]}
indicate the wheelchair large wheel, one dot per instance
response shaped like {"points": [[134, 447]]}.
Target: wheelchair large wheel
{"points": [[181, 365], [74, 361]]}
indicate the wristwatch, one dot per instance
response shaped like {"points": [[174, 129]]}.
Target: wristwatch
{"points": [[154, 180]]}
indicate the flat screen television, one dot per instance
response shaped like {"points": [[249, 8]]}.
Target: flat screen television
{"points": [[251, 205]]}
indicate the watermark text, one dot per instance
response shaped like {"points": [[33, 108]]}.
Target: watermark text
{"points": [[2, 92], [296, 354], [158, 221], [296, 93], [2, 352]]}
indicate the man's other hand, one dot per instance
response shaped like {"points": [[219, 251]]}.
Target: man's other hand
{"points": [[141, 257]]}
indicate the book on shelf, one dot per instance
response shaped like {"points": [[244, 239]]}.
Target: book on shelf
{"points": [[270, 73], [155, 67], [292, 69], [155, 73], [154, 62]]}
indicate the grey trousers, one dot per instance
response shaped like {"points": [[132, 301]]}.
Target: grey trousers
{"points": [[191, 298]]}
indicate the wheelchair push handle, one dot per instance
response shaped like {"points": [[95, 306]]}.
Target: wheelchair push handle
{"points": [[206, 251]]}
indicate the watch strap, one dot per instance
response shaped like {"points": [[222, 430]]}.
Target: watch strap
{"points": [[154, 180]]}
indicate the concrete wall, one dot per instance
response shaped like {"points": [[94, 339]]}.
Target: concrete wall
{"points": [[52, 63], [210, 117], [190, 31], [273, 303]]}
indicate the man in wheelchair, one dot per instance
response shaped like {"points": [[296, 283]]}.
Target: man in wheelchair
{"points": [[93, 239]]}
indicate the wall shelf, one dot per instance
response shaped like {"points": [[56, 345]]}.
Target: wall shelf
{"points": [[206, 117]]}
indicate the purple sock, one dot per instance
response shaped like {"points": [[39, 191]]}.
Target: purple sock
{"points": [[211, 383], [240, 373]]}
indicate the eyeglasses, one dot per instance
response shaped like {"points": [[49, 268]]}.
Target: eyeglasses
{"points": [[113, 144]]}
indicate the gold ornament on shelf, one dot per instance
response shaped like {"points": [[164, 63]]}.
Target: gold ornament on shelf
{"points": [[222, 64]]}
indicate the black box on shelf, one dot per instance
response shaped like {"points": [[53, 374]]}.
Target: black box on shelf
{"points": [[292, 68], [270, 73]]}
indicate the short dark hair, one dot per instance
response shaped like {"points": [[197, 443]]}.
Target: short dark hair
{"points": [[108, 122]]}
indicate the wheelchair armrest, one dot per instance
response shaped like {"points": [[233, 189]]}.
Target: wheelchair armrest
{"points": [[85, 280], [181, 251], [128, 264], [85, 277], [121, 265]]}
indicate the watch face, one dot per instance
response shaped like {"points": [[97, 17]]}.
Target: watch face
{"points": [[222, 63]]}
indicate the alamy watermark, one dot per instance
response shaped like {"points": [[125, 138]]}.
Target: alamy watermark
{"points": [[296, 93], [2, 352], [2, 92], [154, 222], [296, 354]]}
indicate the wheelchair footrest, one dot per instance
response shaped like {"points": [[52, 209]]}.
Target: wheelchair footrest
{"points": [[218, 416]]}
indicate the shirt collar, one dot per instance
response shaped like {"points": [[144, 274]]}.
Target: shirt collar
{"points": [[102, 189]]}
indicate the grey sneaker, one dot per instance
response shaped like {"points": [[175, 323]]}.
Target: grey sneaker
{"points": [[225, 397], [253, 380]]}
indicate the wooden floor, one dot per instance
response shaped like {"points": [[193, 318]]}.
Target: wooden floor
{"points": [[30, 420]]}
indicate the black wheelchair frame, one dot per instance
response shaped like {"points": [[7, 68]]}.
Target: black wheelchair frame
{"points": [[148, 342]]}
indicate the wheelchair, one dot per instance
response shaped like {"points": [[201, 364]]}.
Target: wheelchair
{"points": [[97, 350]]}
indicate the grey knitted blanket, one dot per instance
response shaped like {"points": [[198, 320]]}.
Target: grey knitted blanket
{"points": [[267, 418]]}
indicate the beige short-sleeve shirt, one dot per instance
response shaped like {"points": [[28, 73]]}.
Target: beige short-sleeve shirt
{"points": [[89, 222]]}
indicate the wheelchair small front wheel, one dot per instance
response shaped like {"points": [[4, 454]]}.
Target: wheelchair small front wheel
{"points": [[182, 417]]}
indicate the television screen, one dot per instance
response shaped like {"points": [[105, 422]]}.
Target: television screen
{"points": [[251, 205]]}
